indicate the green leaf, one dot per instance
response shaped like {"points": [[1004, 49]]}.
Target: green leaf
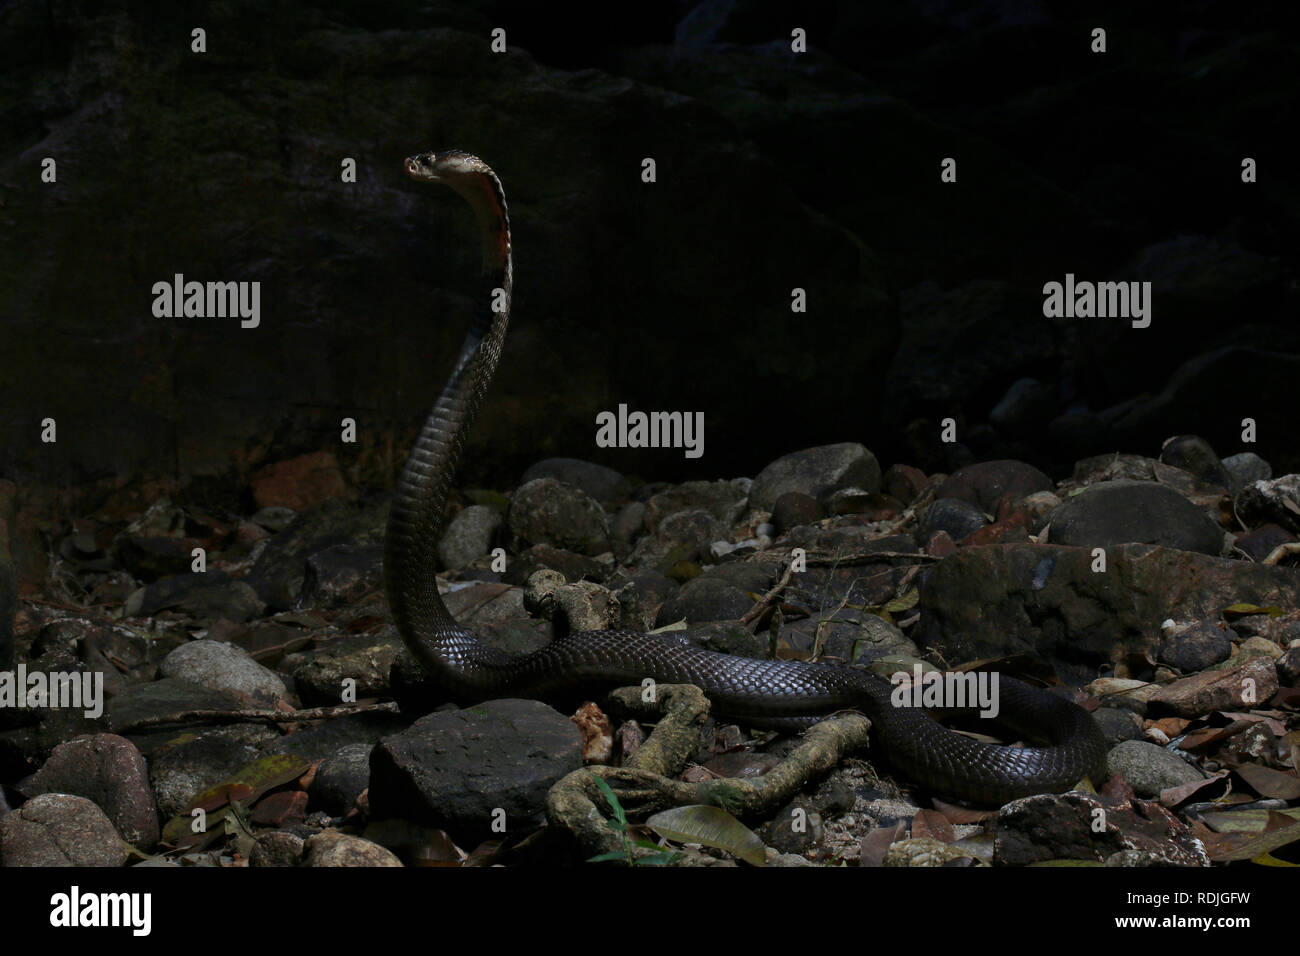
{"points": [[251, 781], [710, 826], [1238, 610], [606, 857], [904, 602], [615, 807]]}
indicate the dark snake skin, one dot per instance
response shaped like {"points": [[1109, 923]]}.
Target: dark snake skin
{"points": [[755, 692]]}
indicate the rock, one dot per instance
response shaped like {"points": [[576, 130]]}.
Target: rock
{"points": [[1113, 467], [1204, 390], [116, 652], [705, 598], [321, 740], [166, 696], [783, 835], [206, 595], [341, 779], [1060, 826], [1123, 693], [277, 575], [225, 667], [789, 859], [628, 524], [469, 536], [276, 848], [979, 601], [1118, 724], [603, 484], [299, 482], [110, 772], [456, 770], [1288, 667], [682, 536], [793, 509], [181, 772], [652, 590], [545, 511], [332, 848], [725, 637], [365, 659], [1143, 512], [815, 470], [8, 596], [956, 517], [59, 829], [1194, 454], [987, 483], [1276, 501], [1241, 688], [1261, 542], [1194, 647], [486, 602], [904, 483], [342, 575], [1246, 468], [1149, 769], [274, 518], [724, 500], [574, 567], [151, 558]]}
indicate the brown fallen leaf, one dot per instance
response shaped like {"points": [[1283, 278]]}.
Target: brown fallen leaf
{"points": [[1273, 720], [960, 815], [877, 843], [1249, 847], [931, 823], [1268, 782], [1170, 726], [1208, 736], [1176, 796]]}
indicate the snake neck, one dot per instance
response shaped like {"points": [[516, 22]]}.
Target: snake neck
{"points": [[415, 521]]}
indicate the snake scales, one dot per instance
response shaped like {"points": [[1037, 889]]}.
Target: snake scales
{"points": [[757, 692]]}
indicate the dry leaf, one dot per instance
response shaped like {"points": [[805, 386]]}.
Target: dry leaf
{"points": [[877, 843], [931, 823], [1270, 783]]}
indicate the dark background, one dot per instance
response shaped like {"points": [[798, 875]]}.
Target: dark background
{"points": [[774, 171]]}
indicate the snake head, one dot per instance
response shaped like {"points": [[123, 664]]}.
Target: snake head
{"points": [[446, 166], [480, 187]]}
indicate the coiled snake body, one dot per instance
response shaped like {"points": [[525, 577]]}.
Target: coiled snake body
{"points": [[757, 692]]}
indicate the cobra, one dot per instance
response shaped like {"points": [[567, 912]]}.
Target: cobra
{"points": [[760, 693]]}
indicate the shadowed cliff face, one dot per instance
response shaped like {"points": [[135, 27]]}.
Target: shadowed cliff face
{"points": [[774, 172]]}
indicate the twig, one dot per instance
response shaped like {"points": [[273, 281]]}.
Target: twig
{"points": [[275, 716], [767, 599]]}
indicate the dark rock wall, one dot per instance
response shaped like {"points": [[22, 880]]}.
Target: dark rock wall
{"points": [[775, 171]]}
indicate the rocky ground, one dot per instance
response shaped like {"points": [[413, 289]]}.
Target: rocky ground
{"points": [[270, 691]]}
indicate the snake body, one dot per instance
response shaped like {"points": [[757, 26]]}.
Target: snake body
{"points": [[760, 693]]}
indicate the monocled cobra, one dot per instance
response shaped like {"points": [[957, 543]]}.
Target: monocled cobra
{"points": [[761, 693]]}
